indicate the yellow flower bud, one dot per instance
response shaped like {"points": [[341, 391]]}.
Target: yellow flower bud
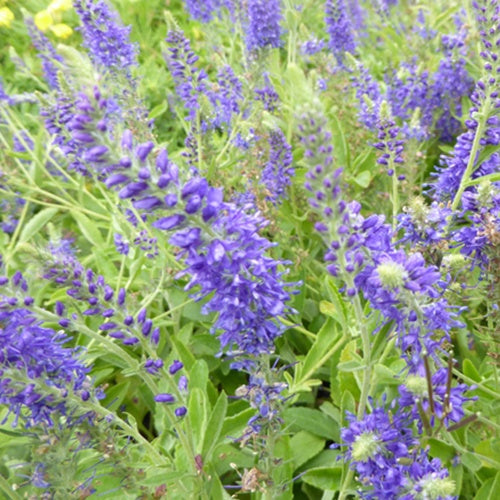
{"points": [[61, 30], [6, 17], [59, 6], [43, 20]]}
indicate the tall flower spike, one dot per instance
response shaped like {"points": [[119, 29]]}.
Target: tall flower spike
{"points": [[36, 371], [189, 80], [278, 170], [484, 124], [107, 41], [97, 298], [46, 52], [263, 24], [224, 254], [388, 141], [339, 28]]}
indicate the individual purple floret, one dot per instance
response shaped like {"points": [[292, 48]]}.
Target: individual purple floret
{"points": [[278, 170], [339, 28], [263, 24], [36, 371], [51, 60], [106, 40]]}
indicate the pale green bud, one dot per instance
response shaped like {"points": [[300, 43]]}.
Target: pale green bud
{"points": [[391, 274], [365, 446]]}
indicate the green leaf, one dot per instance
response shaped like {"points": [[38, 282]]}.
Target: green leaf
{"points": [[341, 311], [185, 355], [489, 448], [304, 446], [198, 375], [471, 371], [198, 415], [324, 478], [347, 403], [350, 366], [217, 492], [215, 425], [470, 461], [233, 426], [158, 110], [88, 229], [116, 395], [363, 179], [310, 420], [441, 450], [36, 223], [318, 355], [341, 146], [490, 490]]}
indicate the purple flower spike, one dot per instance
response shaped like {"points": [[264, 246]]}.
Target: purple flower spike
{"points": [[339, 28], [39, 352], [263, 29], [107, 41]]}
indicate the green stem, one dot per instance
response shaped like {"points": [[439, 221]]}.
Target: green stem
{"points": [[7, 489], [473, 153], [344, 489], [17, 231], [153, 453], [395, 194]]}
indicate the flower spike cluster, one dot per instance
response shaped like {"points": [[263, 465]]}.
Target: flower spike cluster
{"points": [[263, 24], [47, 53], [408, 294], [40, 377], [224, 254], [106, 40], [340, 29]]}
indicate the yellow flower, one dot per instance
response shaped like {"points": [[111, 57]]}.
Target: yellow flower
{"points": [[6, 17], [61, 30], [43, 20], [59, 6]]}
